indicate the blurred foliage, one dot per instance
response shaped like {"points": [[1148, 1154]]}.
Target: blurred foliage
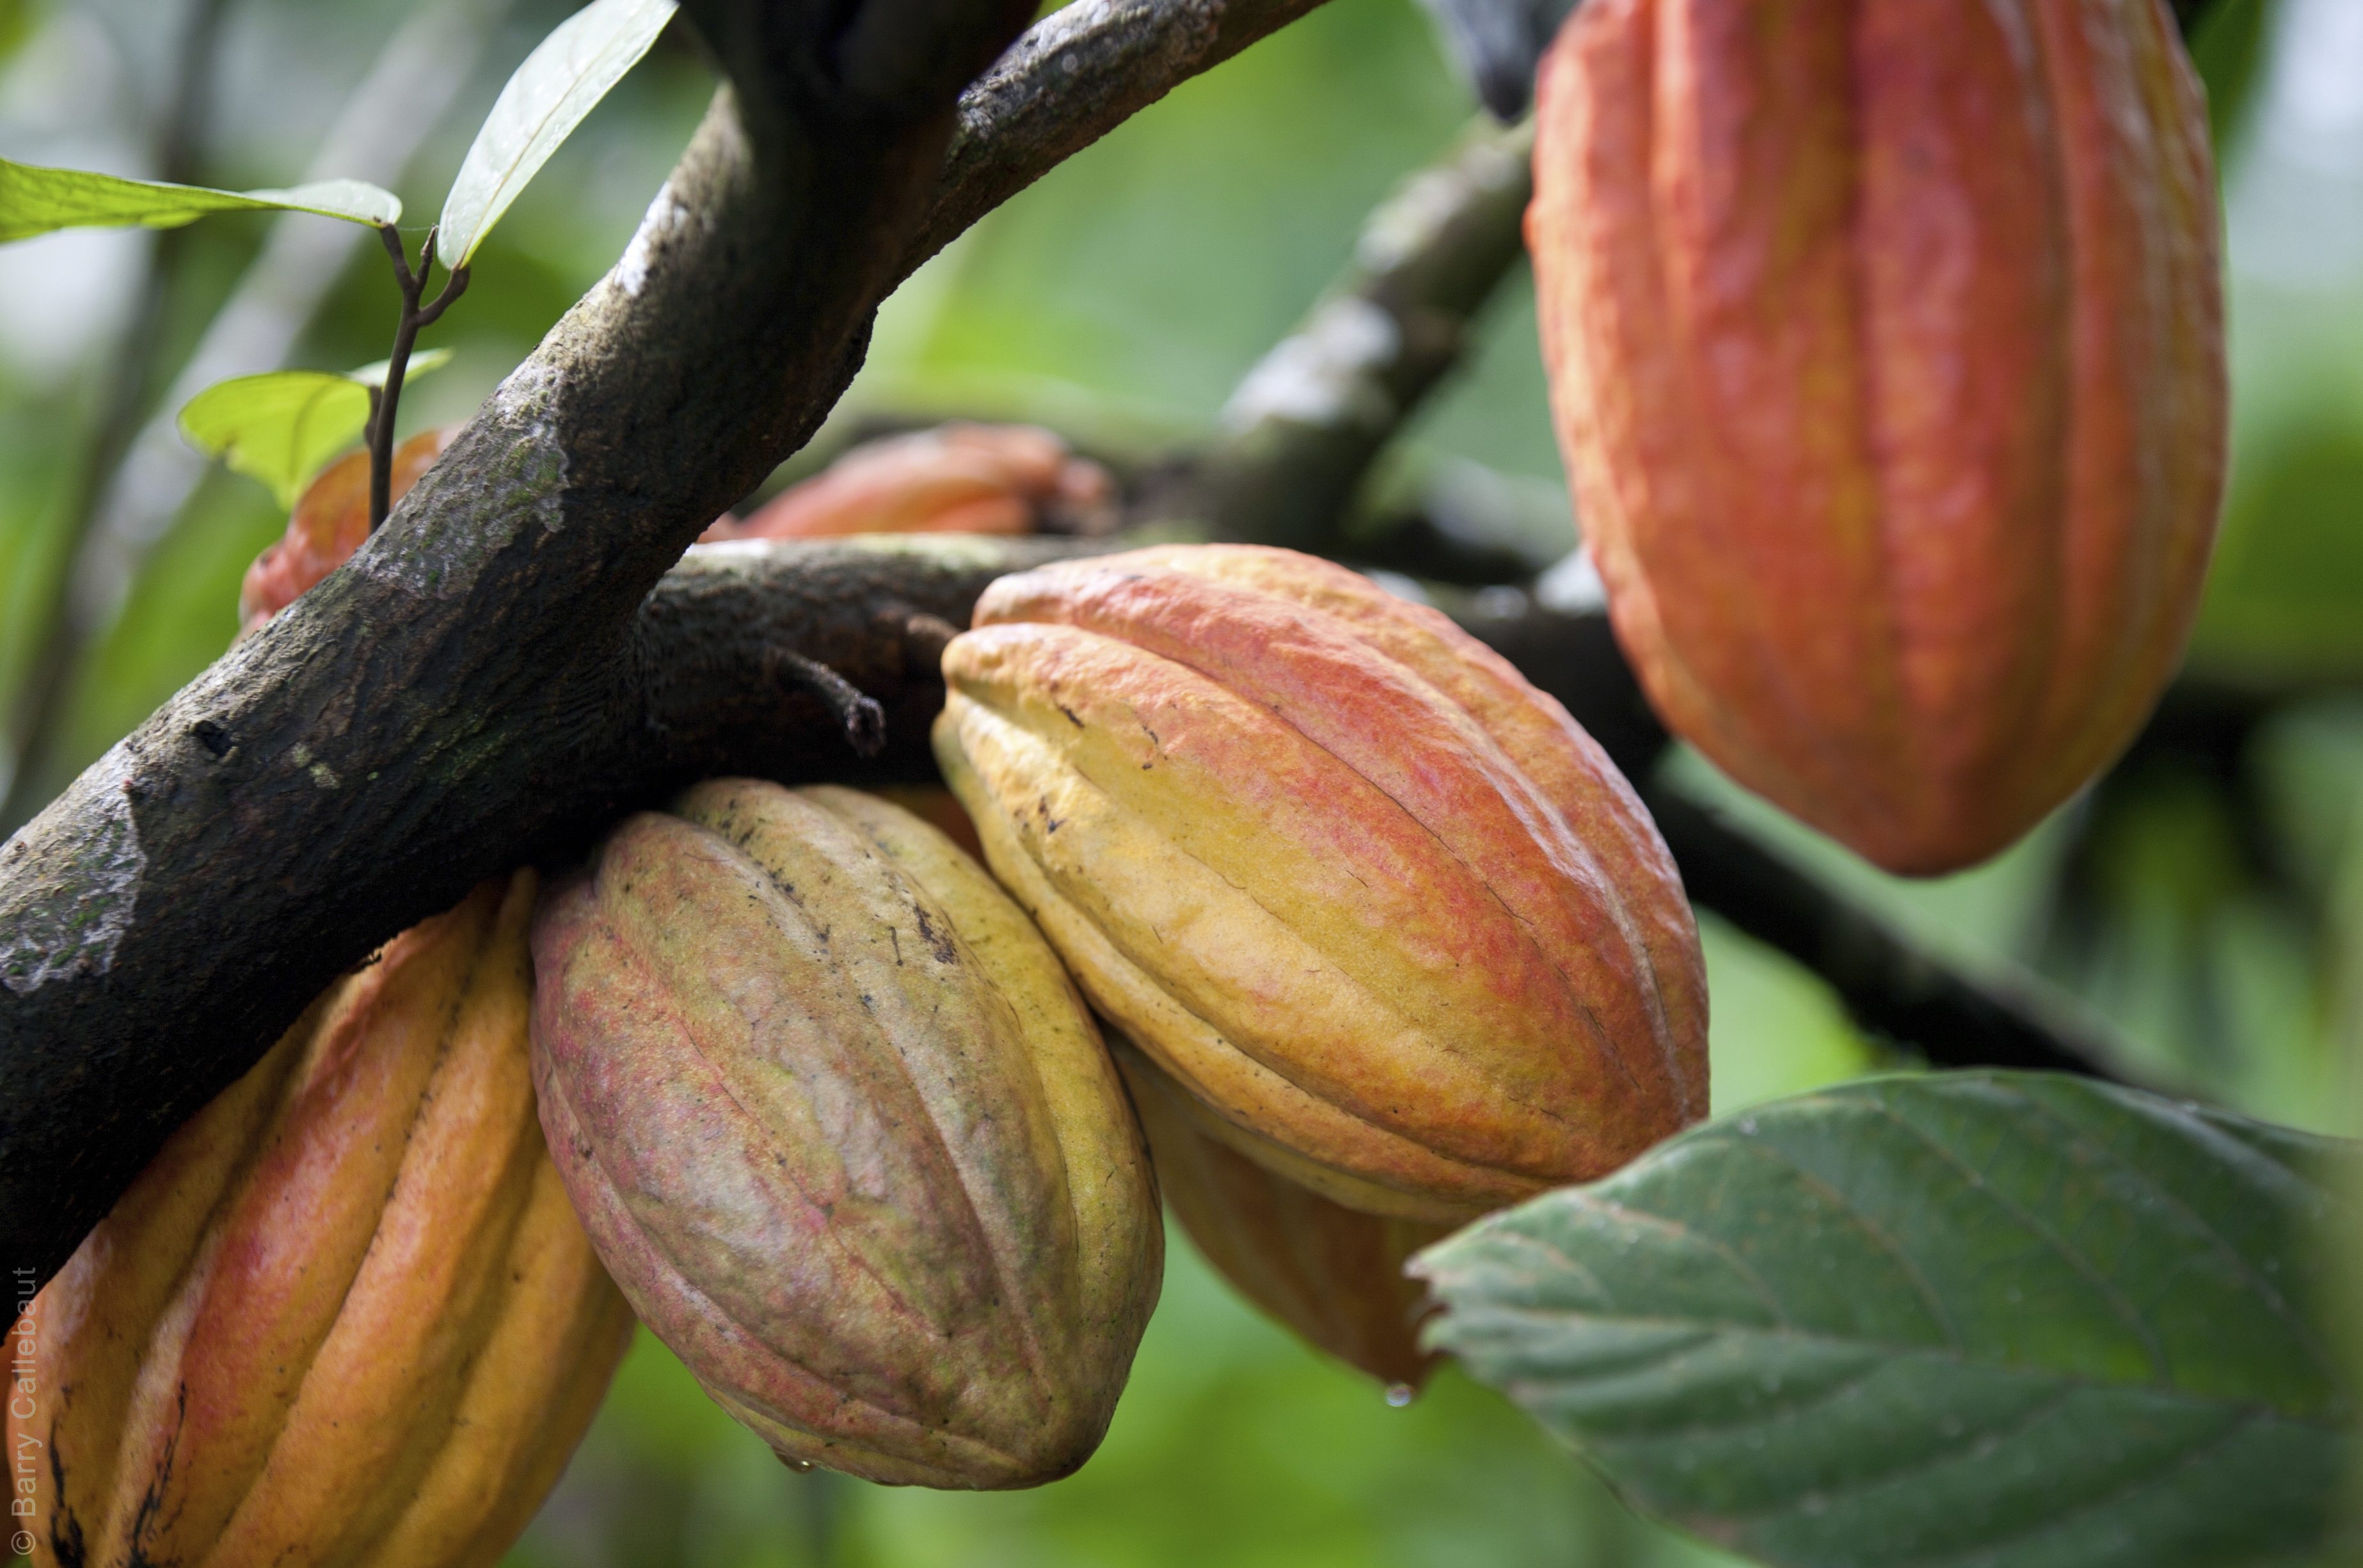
{"points": [[2227, 47], [2211, 905]]}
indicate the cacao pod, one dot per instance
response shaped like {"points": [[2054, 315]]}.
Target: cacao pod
{"points": [[346, 1315], [1885, 343], [938, 808], [330, 522], [842, 1130], [955, 479], [1375, 901], [1333, 1275]]}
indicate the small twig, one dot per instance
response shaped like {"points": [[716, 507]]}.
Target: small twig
{"points": [[862, 719], [1889, 983], [415, 317], [924, 637], [1305, 426]]}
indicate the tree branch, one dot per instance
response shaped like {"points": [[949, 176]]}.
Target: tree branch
{"points": [[1075, 76], [482, 679], [1305, 426], [1891, 984]]}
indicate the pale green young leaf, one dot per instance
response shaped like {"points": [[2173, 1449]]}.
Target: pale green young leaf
{"points": [[279, 427], [561, 81], [421, 363], [35, 200]]}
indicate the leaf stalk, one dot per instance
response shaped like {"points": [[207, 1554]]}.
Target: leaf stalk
{"points": [[415, 317]]}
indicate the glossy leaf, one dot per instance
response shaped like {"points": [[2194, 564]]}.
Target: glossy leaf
{"points": [[35, 200], [1980, 1320], [560, 81]]}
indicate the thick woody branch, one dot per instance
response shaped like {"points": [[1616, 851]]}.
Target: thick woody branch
{"points": [[480, 682]]}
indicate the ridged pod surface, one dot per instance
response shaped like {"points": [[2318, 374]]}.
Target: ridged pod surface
{"points": [[843, 1132], [347, 1315], [1885, 342], [1332, 1274], [1373, 900]]}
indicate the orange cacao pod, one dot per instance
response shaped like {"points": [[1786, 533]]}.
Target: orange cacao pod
{"points": [[1886, 349], [1333, 1275], [955, 479], [841, 1128], [347, 1314], [1375, 901], [329, 523]]}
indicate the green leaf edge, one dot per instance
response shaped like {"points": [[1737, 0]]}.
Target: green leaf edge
{"points": [[80, 198], [485, 186]]}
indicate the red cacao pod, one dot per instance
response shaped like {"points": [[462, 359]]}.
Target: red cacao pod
{"points": [[330, 522], [1332, 1274], [1372, 898], [955, 479], [843, 1132], [1886, 347], [347, 1315]]}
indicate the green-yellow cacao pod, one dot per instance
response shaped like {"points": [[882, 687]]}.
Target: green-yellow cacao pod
{"points": [[1885, 343], [1372, 898], [842, 1130], [1333, 1275], [347, 1315]]}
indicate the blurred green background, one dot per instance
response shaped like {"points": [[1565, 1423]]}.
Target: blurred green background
{"points": [[2207, 900]]}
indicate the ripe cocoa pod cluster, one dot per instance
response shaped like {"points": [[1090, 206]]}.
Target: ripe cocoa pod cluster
{"points": [[347, 1314], [1886, 347], [1389, 929], [843, 1132]]}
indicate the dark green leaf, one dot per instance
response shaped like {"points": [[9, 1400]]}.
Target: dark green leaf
{"points": [[560, 81], [1979, 1319], [34, 200]]}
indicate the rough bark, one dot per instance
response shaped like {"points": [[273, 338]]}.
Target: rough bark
{"points": [[478, 683]]}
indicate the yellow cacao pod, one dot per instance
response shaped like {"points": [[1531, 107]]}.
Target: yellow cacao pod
{"points": [[347, 1315], [842, 1130], [1885, 342], [1373, 900], [1333, 1275]]}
